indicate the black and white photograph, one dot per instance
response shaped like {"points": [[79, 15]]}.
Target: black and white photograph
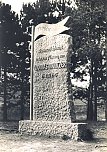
{"points": [[53, 75]]}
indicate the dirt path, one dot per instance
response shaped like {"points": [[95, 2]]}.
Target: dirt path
{"points": [[12, 142]]}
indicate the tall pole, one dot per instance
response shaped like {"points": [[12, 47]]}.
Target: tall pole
{"points": [[31, 73], [105, 9]]}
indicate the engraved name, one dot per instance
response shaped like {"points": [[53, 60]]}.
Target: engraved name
{"points": [[50, 66], [54, 48], [50, 57]]}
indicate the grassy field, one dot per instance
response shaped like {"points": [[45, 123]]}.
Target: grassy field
{"points": [[14, 142]]}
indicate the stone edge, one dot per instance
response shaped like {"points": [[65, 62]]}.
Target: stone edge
{"points": [[62, 130]]}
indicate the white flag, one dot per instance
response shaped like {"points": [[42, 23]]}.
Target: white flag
{"points": [[51, 29]]}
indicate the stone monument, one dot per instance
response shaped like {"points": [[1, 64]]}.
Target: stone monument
{"points": [[53, 112]]}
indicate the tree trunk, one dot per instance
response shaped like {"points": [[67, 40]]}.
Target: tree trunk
{"points": [[5, 95], [22, 97], [90, 103], [95, 93], [105, 7], [22, 103]]}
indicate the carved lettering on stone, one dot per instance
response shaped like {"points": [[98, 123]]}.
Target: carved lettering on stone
{"points": [[51, 93]]}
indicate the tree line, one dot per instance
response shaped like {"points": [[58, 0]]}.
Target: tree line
{"points": [[88, 30]]}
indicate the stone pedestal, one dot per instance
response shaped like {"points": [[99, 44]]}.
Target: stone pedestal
{"points": [[51, 129]]}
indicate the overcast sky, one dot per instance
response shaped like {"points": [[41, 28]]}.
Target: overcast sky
{"points": [[16, 4]]}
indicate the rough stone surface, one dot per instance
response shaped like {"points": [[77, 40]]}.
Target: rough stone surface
{"points": [[52, 94], [53, 107], [53, 129]]}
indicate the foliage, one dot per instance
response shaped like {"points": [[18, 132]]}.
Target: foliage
{"points": [[15, 56], [9, 29], [88, 33], [87, 28]]}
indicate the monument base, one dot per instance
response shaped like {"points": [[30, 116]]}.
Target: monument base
{"points": [[58, 129]]}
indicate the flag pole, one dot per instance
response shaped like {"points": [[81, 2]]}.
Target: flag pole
{"points": [[31, 72]]}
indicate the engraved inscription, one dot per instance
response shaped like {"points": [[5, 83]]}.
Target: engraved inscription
{"points": [[50, 80], [50, 57], [44, 44], [49, 75], [50, 66], [53, 48]]}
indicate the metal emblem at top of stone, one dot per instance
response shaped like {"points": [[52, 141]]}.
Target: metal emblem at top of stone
{"points": [[52, 94]]}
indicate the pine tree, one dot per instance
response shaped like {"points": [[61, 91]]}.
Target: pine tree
{"points": [[9, 30], [88, 30]]}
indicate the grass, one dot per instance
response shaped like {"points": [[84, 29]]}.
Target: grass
{"points": [[15, 142]]}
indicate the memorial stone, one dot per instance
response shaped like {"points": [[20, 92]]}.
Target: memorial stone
{"points": [[52, 96], [53, 108]]}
